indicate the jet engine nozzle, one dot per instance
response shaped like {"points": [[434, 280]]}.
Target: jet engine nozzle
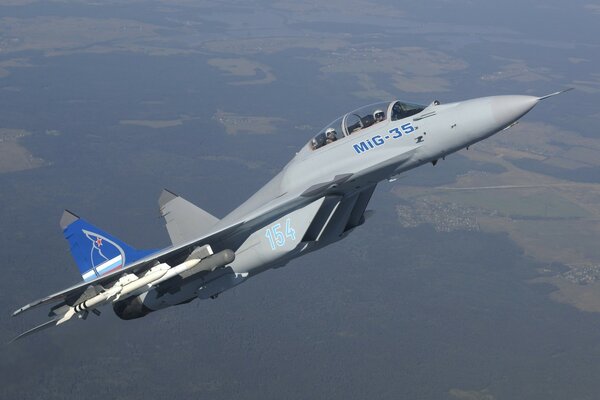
{"points": [[131, 308]]}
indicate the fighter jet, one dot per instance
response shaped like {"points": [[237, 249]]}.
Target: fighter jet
{"points": [[318, 198]]}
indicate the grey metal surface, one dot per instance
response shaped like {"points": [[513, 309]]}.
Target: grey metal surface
{"points": [[184, 220]]}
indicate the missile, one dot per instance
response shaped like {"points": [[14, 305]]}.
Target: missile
{"points": [[210, 263], [201, 259], [125, 287], [184, 266], [132, 288], [194, 266], [193, 259]]}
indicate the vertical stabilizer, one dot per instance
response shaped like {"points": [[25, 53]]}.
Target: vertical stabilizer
{"points": [[96, 252], [184, 220]]}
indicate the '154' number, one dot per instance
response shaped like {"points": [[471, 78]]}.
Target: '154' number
{"points": [[278, 238]]}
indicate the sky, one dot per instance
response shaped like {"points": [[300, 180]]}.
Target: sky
{"points": [[438, 296]]}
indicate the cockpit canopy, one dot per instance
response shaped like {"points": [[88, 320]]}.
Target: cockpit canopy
{"points": [[363, 118]]}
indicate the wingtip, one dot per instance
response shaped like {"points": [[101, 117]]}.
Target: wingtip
{"points": [[67, 219], [21, 310]]}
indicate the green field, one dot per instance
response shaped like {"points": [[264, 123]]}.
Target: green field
{"points": [[517, 202]]}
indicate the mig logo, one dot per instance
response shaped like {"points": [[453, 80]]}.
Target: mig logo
{"points": [[379, 140]]}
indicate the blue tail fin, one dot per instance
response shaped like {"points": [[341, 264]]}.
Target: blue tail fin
{"points": [[96, 252]]}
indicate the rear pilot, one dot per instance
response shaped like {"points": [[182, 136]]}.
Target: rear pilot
{"points": [[330, 135]]}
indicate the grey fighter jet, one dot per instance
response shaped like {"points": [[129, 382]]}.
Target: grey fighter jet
{"points": [[318, 198]]}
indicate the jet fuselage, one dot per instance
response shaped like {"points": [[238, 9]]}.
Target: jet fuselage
{"points": [[332, 185]]}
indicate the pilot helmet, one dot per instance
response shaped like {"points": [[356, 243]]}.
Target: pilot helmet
{"points": [[378, 115], [330, 132]]}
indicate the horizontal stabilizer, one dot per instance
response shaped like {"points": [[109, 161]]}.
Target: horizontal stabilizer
{"points": [[184, 220], [45, 325]]}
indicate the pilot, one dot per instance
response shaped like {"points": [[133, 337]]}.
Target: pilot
{"points": [[330, 136], [379, 115], [397, 111], [314, 144]]}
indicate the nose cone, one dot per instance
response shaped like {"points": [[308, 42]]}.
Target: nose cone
{"points": [[508, 109]]}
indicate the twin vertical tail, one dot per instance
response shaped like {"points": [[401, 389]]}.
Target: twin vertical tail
{"points": [[96, 252]]}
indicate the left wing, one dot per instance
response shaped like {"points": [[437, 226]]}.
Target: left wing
{"points": [[133, 279], [73, 293], [105, 285], [75, 300]]}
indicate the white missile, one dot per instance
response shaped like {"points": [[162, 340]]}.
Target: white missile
{"points": [[126, 286], [131, 285], [199, 254], [143, 283], [184, 266]]}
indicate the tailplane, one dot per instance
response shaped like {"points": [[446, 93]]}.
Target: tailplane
{"points": [[96, 252]]}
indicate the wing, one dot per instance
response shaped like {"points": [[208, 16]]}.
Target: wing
{"points": [[341, 214], [175, 253], [71, 294]]}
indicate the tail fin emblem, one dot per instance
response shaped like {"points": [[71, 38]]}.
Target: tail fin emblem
{"points": [[105, 255]]}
